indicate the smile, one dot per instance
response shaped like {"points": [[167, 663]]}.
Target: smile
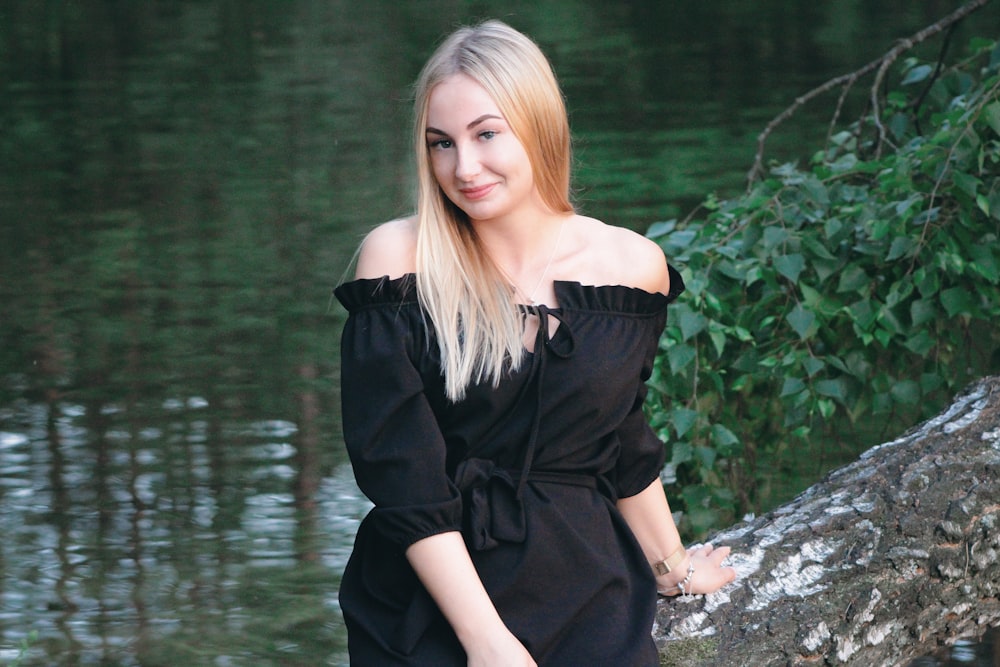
{"points": [[477, 192]]}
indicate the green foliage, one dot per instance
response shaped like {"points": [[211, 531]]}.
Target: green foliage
{"points": [[829, 301]]}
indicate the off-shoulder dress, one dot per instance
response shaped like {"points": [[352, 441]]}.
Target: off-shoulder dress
{"points": [[529, 472]]}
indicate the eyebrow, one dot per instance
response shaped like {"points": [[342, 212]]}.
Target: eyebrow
{"points": [[484, 117]]}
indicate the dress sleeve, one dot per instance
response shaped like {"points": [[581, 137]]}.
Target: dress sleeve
{"points": [[642, 452], [392, 435]]}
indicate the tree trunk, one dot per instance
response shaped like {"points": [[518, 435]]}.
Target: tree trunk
{"points": [[879, 563]]}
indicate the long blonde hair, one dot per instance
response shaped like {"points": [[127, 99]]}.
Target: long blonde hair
{"points": [[471, 305]]}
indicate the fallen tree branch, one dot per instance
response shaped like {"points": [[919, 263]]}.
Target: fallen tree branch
{"points": [[875, 565]]}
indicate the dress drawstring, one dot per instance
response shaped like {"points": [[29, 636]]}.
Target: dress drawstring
{"points": [[536, 375], [493, 505]]}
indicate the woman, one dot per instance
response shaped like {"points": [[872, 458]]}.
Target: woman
{"points": [[493, 372]]}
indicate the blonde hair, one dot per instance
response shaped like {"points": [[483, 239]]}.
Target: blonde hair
{"points": [[471, 305]]}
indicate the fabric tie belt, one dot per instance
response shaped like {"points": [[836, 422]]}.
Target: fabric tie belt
{"points": [[494, 511]]}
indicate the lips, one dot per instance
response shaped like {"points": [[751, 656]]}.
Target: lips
{"points": [[477, 192]]}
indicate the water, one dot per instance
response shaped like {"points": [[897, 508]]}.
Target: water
{"points": [[182, 183]]}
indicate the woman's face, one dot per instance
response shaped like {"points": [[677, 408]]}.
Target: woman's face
{"points": [[478, 162]]}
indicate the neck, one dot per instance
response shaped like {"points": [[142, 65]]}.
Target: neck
{"points": [[525, 254], [519, 246]]}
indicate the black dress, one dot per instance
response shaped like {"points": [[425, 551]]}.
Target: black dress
{"points": [[529, 472]]}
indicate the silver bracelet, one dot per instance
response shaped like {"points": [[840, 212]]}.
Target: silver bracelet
{"points": [[683, 585]]}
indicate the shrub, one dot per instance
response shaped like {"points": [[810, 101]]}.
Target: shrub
{"points": [[833, 302]]}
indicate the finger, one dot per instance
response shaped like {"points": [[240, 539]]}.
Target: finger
{"points": [[720, 554], [702, 550]]}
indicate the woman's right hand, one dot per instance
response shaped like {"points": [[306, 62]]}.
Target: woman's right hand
{"points": [[503, 650]]}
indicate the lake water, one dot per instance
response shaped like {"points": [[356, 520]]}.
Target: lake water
{"points": [[181, 185]]}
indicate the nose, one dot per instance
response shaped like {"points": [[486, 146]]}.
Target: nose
{"points": [[467, 165]]}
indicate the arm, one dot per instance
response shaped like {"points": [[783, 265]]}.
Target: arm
{"points": [[443, 564], [644, 506], [399, 455], [648, 515]]}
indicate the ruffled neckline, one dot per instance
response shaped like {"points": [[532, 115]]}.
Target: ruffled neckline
{"points": [[367, 292], [363, 293]]}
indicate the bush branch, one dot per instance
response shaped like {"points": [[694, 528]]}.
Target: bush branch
{"points": [[880, 65]]}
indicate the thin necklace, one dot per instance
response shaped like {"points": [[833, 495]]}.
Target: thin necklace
{"points": [[548, 265]]}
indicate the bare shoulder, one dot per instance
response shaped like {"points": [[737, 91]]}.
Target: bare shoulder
{"points": [[388, 250], [628, 258]]}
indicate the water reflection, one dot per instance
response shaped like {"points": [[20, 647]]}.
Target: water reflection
{"points": [[966, 653], [135, 550], [181, 184]]}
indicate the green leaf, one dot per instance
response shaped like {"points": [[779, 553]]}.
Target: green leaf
{"points": [[898, 293], [774, 236], [880, 229], [844, 163], [928, 281], [679, 356], [790, 266], [906, 392], [888, 320], [832, 228], [899, 125], [751, 234], [812, 365], [883, 336], [691, 323], [917, 74], [836, 362], [706, 456], [791, 386], [994, 203], [984, 261], [921, 311], [858, 367], [863, 313], [660, 228], [930, 382], [723, 438], [832, 389], [814, 246], [901, 246], [903, 207], [853, 279], [683, 419], [816, 191], [984, 203], [825, 268], [801, 320], [719, 339], [967, 183], [956, 301], [920, 343], [991, 112], [731, 270], [681, 452]]}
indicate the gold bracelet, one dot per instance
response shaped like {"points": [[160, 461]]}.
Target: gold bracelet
{"points": [[668, 564]]}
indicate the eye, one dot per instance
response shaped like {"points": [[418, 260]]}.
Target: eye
{"points": [[487, 134], [440, 144]]}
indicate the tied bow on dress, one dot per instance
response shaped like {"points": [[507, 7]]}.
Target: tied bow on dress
{"points": [[492, 495]]}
